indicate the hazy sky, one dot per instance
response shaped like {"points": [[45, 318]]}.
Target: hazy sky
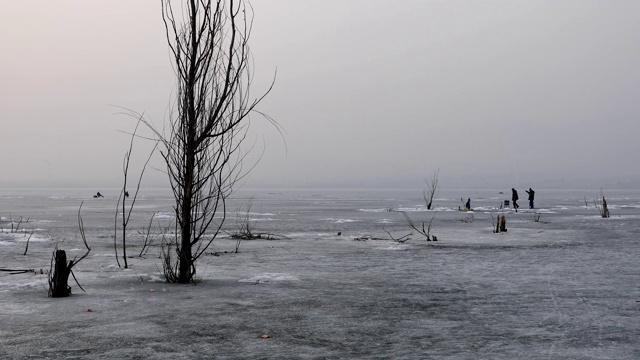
{"points": [[369, 93]]}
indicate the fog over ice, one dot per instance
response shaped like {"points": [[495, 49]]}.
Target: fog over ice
{"points": [[369, 93]]}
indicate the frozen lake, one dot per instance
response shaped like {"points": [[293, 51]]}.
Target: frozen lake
{"points": [[561, 283]]}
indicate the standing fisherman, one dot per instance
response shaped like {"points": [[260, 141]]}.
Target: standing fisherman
{"points": [[514, 199], [531, 194]]}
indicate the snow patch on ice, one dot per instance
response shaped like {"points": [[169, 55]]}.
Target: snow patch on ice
{"points": [[421, 208], [411, 209], [262, 219], [156, 278], [13, 238], [111, 267], [395, 247], [15, 308], [485, 208], [269, 277], [544, 211], [163, 215], [340, 221], [39, 283], [256, 214], [376, 210], [34, 239], [629, 206]]}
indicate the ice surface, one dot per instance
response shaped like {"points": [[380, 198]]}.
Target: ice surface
{"points": [[564, 286], [267, 277]]}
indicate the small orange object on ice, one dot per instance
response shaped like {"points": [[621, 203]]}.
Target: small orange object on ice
{"points": [[265, 336]]}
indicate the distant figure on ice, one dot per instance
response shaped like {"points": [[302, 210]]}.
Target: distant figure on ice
{"points": [[98, 195], [514, 199], [531, 194], [468, 204]]}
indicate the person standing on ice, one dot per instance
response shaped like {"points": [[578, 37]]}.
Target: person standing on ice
{"points": [[514, 199], [531, 194]]}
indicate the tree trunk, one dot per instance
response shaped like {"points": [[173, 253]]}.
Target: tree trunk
{"points": [[124, 222], [60, 281], [184, 274], [186, 260]]}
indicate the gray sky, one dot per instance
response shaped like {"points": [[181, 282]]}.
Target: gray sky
{"points": [[369, 93]]}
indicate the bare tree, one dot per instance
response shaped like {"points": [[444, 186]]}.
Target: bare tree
{"points": [[124, 194], [201, 145], [432, 188]]}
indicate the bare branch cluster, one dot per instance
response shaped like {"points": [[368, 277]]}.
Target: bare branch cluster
{"points": [[61, 268], [424, 231], [149, 237], [170, 266], [401, 239], [430, 191], [15, 227]]}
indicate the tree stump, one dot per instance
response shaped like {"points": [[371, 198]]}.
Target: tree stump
{"points": [[605, 209], [59, 283]]}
